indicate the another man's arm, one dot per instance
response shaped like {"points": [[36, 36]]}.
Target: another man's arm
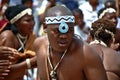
{"points": [[93, 69]]}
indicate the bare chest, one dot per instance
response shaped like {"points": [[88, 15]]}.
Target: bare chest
{"points": [[70, 68]]}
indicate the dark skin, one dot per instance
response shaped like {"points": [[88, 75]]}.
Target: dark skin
{"points": [[109, 56], [29, 4], [4, 61], [9, 39], [89, 68], [112, 17], [80, 21], [110, 4], [94, 4]]}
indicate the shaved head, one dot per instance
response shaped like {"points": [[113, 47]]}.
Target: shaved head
{"points": [[58, 11]]}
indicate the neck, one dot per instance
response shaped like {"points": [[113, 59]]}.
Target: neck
{"points": [[55, 52]]}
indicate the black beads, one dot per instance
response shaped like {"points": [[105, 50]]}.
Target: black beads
{"points": [[53, 75]]}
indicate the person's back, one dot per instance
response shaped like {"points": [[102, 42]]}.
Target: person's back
{"points": [[103, 39], [63, 56], [111, 61]]}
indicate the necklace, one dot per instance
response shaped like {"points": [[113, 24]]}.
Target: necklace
{"points": [[53, 73], [22, 37], [22, 43], [98, 42]]}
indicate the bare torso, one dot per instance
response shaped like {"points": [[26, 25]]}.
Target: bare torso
{"points": [[74, 66], [71, 65], [10, 40]]}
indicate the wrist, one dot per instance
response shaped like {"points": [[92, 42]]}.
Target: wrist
{"points": [[28, 63]]}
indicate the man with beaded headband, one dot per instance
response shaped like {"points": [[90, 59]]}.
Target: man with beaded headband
{"points": [[103, 35], [60, 49]]}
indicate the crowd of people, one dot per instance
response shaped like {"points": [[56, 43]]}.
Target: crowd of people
{"points": [[65, 40]]}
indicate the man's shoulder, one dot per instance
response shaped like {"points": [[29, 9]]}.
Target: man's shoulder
{"points": [[40, 41], [90, 52], [77, 40], [7, 32]]}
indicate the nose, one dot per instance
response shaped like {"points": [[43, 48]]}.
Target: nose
{"points": [[63, 35], [114, 21], [32, 23]]}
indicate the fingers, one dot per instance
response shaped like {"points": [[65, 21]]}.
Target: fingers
{"points": [[14, 58], [3, 74], [5, 52], [5, 56], [115, 45], [4, 69], [4, 63], [2, 78]]}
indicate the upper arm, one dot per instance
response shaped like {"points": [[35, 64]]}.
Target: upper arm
{"points": [[93, 69], [37, 44], [7, 39]]}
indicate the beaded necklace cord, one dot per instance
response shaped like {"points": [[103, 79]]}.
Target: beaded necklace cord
{"points": [[53, 73], [22, 43]]}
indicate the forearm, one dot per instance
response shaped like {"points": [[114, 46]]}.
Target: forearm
{"points": [[31, 63], [20, 68]]}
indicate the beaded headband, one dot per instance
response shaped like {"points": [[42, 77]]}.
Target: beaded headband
{"points": [[63, 20], [21, 14], [109, 10], [59, 19]]}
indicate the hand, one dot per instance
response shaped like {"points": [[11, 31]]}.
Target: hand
{"points": [[114, 45], [15, 57], [4, 69], [28, 54], [7, 53]]}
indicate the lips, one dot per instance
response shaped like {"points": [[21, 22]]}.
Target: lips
{"points": [[63, 43]]}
